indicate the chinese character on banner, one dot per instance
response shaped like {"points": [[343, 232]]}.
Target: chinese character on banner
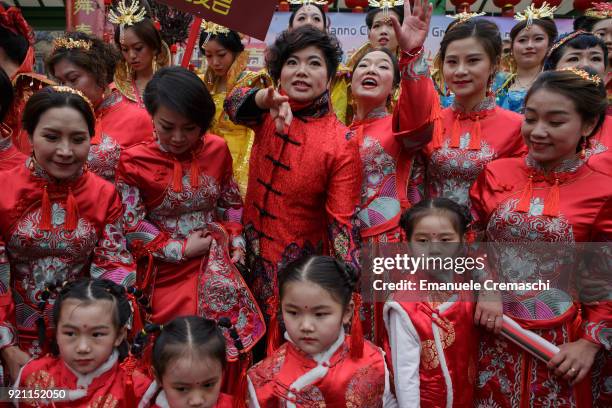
{"points": [[239, 15], [86, 16]]}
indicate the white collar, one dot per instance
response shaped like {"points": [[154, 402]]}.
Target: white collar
{"points": [[85, 380]]}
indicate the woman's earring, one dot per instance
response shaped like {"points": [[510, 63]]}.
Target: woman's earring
{"points": [[583, 148], [154, 64]]}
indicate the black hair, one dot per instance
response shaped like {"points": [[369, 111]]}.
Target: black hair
{"points": [[182, 335], [182, 91], [580, 42], [585, 23], [485, 31], [336, 277], [146, 32], [91, 290], [14, 45], [49, 98], [546, 24], [6, 94], [373, 11], [589, 98], [291, 41], [296, 9], [396, 70], [230, 41], [100, 59], [458, 214]]}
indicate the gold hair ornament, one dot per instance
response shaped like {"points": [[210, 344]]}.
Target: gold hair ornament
{"points": [[211, 29], [126, 16], [67, 89], [583, 74], [563, 40], [385, 5], [532, 13], [461, 18], [71, 44], [600, 11]]}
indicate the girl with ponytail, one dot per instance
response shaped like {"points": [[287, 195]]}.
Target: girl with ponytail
{"points": [[92, 317], [189, 361], [318, 298]]}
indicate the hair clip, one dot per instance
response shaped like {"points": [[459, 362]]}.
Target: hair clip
{"points": [[583, 74], [126, 16], [562, 40], [532, 12], [67, 89], [461, 18], [71, 43], [600, 11]]}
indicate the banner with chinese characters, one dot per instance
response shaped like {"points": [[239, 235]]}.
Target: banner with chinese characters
{"points": [[239, 15], [86, 16]]}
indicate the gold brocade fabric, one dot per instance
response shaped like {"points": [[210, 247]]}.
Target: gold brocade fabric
{"points": [[239, 138], [123, 76]]}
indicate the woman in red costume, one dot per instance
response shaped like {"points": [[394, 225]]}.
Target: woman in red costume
{"points": [[17, 60], [386, 146], [183, 211], [9, 155], [87, 63], [59, 222], [88, 360], [584, 50], [305, 173], [548, 196], [473, 131], [142, 49], [320, 365]]}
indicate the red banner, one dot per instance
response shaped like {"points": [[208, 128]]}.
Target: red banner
{"points": [[250, 17], [86, 16]]}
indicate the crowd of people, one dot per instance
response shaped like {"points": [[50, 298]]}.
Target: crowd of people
{"points": [[171, 238]]}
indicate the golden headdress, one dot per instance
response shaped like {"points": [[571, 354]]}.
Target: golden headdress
{"points": [[600, 11], [126, 16], [596, 79], [71, 43], [385, 5], [67, 89], [211, 29], [532, 12], [461, 18]]}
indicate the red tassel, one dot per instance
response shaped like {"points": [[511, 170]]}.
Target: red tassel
{"points": [[129, 365], [435, 117], [456, 133], [475, 135], [525, 202], [177, 177], [273, 329], [551, 205], [45, 211], [240, 394], [137, 324], [72, 212], [356, 330], [195, 174]]}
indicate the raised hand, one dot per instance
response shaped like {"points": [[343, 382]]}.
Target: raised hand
{"points": [[413, 32], [278, 105]]}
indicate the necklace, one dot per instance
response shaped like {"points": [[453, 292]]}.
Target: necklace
{"points": [[520, 85]]}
